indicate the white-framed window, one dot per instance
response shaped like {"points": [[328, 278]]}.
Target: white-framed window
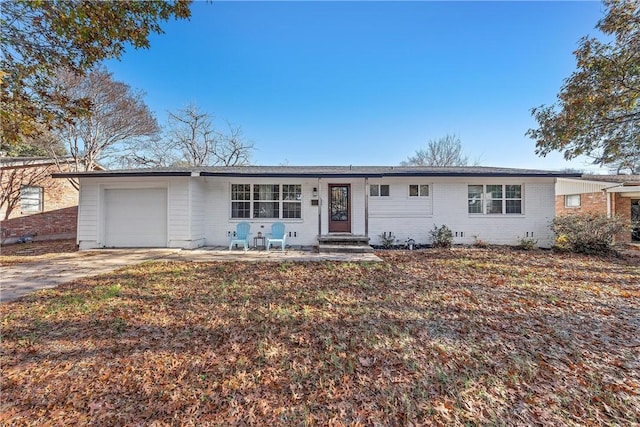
{"points": [[572, 201], [291, 201], [416, 190], [240, 200], [495, 199], [31, 199], [266, 201], [379, 190]]}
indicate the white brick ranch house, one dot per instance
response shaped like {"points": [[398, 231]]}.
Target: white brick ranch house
{"points": [[195, 207]]}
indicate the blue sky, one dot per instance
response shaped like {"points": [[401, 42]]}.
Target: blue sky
{"points": [[367, 83]]}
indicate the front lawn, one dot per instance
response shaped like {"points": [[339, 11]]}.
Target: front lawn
{"points": [[436, 337], [20, 253]]}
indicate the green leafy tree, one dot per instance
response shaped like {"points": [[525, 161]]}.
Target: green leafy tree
{"points": [[40, 37], [597, 113]]}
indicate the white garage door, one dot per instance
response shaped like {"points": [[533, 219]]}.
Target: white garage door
{"points": [[136, 217]]}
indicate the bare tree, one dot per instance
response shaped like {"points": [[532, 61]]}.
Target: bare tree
{"points": [[191, 139], [231, 148], [154, 153], [446, 151], [191, 132], [627, 163], [114, 115]]}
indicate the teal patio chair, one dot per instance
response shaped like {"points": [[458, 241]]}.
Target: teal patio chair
{"points": [[277, 235], [241, 236]]}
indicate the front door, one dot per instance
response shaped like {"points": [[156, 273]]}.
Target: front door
{"points": [[339, 208], [635, 217]]}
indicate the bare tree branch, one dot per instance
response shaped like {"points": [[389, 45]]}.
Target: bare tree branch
{"points": [[115, 115], [446, 151], [191, 139]]}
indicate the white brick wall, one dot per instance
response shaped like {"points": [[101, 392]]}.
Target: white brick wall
{"points": [[199, 210], [447, 204], [218, 221]]}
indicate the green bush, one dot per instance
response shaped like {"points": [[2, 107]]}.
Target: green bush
{"points": [[587, 233], [387, 239], [441, 237], [526, 243]]}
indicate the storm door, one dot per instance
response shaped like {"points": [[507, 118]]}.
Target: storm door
{"points": [[339, 208], [635, 217]]}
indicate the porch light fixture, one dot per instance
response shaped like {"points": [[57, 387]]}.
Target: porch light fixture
{"points": [[315, 192]]}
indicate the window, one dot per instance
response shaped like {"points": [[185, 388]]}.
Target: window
{"points": [[418, 190], [475, 199], [572, 201], [291, 205], [273, 201], [513, 199], [378, 190], [31, 199], [266, 201], [240, 201], [494, 199]]}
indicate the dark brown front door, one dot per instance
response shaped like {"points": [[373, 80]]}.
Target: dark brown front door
{"points": [[635, 217], [339, 208]]}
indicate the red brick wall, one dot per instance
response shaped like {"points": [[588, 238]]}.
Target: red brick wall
{"points": [[589, 203], [57, 193], [597, 203], [62, 195], [622, 208], [57, 224]]}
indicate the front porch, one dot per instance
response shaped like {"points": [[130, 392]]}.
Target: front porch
{"points": [[343, 243], [291, 254]]}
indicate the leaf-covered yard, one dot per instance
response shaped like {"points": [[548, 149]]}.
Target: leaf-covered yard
{"points": [[35, 251], [435, 337]]}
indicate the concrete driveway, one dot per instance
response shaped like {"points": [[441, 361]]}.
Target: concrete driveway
{"points": [[22, 279]]}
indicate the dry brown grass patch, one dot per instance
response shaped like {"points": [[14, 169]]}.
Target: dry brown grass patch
{"points": [[461, 337]]}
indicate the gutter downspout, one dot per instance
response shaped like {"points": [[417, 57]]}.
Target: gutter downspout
{"points": [[319, 209], [366, 207]]}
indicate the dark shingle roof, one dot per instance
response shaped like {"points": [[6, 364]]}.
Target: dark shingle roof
{"points": [[626, 179], [325, 171]]}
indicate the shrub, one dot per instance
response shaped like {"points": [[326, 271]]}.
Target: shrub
{"points": [[527, 243], [441, 237], [479, 243], [587, 233], [387, 239]]}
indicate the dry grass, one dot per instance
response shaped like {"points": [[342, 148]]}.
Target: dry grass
{"points": [[20, 253], [437, 337]]}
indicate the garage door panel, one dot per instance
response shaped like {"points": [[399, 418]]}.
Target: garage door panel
{"points": [[136, 217]]}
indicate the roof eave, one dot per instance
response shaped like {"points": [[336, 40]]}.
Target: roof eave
{"points": [[115, 174], [382, 175], [313, 174], [290, 175]]}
